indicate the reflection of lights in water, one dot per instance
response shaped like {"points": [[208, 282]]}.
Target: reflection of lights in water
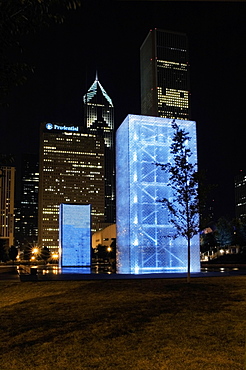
{"points": [[235, 269], [51, 270], [55, 270]]}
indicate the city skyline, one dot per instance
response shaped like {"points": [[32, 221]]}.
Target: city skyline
{"points": [[67, 56]]}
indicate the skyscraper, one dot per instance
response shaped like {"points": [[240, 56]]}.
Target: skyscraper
{"points": [[71, 171], [165, 75], [99, 120], [240, 195], [7, 190], [26, 225]]}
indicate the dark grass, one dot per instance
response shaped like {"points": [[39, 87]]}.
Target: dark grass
{"points": [[124, 324]]}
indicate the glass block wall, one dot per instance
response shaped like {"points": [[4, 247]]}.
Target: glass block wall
{"points": [[144, 244]]}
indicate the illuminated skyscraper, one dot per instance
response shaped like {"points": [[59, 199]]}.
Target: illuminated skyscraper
{"points": [[7, 190], [71, 171], [99, 120], [165, 75]]}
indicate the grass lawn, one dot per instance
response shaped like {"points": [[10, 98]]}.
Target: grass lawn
{"points": [[144, 324]]}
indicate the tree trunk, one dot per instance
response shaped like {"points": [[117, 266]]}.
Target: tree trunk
{"points": [[188, 262]]}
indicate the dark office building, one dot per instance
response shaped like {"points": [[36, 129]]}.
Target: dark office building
{"points": [[26, 224], [240, 196], [165, 75], [99, 120]]}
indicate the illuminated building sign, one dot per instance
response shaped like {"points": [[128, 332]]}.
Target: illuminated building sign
{"points": [[51, 126], [144, 229], [75, 235]]}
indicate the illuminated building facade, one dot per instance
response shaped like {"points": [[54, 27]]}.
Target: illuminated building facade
{"points": [[144, 244], [240, 196], [7, 191], [99, 120], [71, 171], [26, 220], [165, 75]]}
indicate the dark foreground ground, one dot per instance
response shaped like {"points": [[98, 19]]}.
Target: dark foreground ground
{"points": [[143, 324]]}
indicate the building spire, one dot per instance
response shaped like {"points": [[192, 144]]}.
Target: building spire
{"points": [[96, 76]]}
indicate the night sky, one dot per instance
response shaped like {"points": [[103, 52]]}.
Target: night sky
{"points": [[106, 37]]}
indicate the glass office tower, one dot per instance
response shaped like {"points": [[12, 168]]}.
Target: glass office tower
{"points": [[144, 244], [165, 75], [71, 171], [99, 120]]}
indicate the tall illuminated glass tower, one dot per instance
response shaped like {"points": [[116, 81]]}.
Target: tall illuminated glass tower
{"points": [[144, 229], [165, 80], [71, 171], [99, 120]]}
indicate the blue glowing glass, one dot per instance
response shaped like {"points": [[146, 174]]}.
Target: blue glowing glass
{"points": [[144, 244], [75, 235]]}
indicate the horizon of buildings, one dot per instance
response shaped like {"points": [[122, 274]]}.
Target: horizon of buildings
{"points": [[166, 85]]}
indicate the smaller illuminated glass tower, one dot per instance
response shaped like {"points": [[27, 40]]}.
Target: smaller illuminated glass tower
{"points": [[75, 235], [144, 244], [99, 120], [165, 75]]}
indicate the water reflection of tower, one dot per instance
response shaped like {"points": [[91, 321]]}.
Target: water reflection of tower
{"points": [[99, 119]]}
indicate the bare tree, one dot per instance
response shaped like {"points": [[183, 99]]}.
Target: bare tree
{"points": [[183, 180]]}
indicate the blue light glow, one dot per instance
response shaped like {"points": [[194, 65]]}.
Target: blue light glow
{"points": [[144, 244], [75, 235]]}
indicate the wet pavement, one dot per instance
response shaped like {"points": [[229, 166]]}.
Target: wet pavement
{"points": [[9, 273]]}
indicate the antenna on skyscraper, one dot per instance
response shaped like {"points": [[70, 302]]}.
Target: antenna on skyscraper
{"points": [[96, 76]]}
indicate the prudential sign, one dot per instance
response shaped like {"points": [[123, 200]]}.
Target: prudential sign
{"points": [[51, 126]]}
